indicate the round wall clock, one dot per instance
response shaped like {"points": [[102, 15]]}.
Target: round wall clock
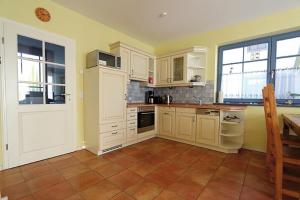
{"points": [[42, 14]]}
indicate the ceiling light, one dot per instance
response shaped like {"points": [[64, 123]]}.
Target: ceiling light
{"points": [[163, 14]]}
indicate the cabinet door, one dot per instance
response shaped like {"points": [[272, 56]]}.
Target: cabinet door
{"points": [[112, 85], [163, 71], [125, 59], [166, 123], [185, 126], [139, 66], [207, 131], [178, 69]]}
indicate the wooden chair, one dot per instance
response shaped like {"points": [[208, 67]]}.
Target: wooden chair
{"points": [[280, 158]]}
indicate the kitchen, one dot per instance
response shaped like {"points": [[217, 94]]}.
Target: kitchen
{"points": [[168, 105], [151, 101]]}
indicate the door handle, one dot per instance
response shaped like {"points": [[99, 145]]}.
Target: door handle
{"points": [[67, 95]]}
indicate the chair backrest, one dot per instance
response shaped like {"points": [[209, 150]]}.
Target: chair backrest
{"points": [[274, 139], [272, 122]]}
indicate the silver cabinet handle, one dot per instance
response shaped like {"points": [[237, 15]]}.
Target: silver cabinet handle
{"points": [[114, 133], [132, 115], [166, 113], [132, 129], [115, 126], [132, 123]]}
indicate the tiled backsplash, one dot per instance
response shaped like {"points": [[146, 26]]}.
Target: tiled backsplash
{"points": [[136, 93]]}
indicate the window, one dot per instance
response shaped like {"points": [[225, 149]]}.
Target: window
{"points": [[246, 67], [41, 72]]}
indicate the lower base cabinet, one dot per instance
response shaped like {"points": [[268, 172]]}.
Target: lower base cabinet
{"points": [[166, 122], [185, 126], [207, 131]]}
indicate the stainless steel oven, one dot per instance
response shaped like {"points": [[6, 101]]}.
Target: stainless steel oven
{"points": [[146, 119]]}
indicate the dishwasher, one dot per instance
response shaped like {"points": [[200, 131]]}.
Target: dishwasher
{"points": [[208, 123]]}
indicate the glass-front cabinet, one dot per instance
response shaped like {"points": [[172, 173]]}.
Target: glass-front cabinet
{"points": [[186, 68], [178, 69]]}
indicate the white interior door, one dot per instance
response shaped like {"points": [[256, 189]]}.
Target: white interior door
{"points": [[39, 93]]}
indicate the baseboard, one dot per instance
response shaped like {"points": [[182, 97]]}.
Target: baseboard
{"points": [[254, 149]]}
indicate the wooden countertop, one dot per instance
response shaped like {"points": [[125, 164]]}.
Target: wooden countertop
{"points": [[190, 105]]}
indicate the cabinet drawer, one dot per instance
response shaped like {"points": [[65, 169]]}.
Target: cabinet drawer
{"points": [[131, 110], [111, 137], [131, 116], [112, 126], [131, 134], [186, 110], [166, 108], [132, 123]]}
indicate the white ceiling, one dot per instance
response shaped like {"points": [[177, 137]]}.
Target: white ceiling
{"points": [[140, 18]]}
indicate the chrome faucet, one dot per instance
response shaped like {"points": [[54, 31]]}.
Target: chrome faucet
{"points": [[198, 99]]}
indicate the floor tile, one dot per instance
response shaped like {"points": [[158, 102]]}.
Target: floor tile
{"points": [[126, 161], [114, 155], [122, 196], [64, 163], [235, 164], [250, 194], [109, 169], [141, 154], [229, 174], [37, 171], [85, 180], [162, 178], [213, 194], [43, 182], [75, 197], [29, 197], [144, 190], [16, 191], [101, 191], [224, 187], [259, 184], [199, 175], [143, 168], [57, 192], [168, 195], [8, 172], [97, 162], [59, 158], [7, 180], [125, 179], [186, 188], [34, 165], [74, 170], [172, 167], [84, 155]]}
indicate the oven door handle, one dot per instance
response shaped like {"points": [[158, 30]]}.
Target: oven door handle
{"points": [[146, 113]]}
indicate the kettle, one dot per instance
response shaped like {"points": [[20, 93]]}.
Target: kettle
{"points": [[167, 99]]}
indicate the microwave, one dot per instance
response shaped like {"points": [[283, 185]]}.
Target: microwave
{"points": [[97, 57]]}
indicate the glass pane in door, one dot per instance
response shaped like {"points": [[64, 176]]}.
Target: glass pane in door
{"points": [[30, 93], [178, 68], [55, 53], [29, 70], [55, 94], [30, 48], [55, 74]]}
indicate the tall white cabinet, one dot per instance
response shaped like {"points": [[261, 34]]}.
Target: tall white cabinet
{"points": [[104, 109]]}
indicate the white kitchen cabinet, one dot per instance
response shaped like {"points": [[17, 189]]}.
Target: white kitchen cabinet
{"points": [[182, 68], [178, 69], [207, 131], [104, 109], [139, 66], [163, 71], [131, 134], [185, 126], [166, 122], [135, 62]]}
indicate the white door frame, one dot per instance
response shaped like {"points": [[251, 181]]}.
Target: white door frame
{"points": [[3, 102]]}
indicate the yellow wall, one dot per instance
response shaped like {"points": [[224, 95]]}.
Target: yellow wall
{"points": [[255, 134], [88, 34]]}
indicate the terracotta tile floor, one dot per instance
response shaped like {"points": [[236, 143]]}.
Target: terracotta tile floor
{"points": [[155, 169]]}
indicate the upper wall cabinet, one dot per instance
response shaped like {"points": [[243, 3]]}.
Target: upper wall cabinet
{"points": [[183, 68], [135, 62]]}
